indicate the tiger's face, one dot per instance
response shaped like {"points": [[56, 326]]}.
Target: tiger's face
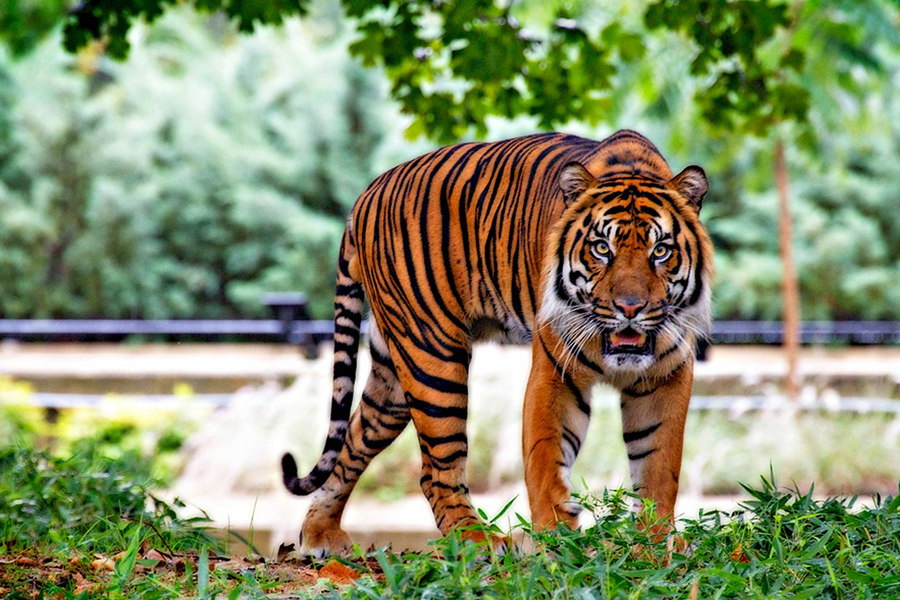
{"points": [[630, 268]]}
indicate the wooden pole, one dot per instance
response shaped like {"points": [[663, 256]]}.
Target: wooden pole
{"points": [[790, 287]]}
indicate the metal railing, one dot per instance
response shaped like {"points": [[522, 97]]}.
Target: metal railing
{"points": [[300, 331], [290, 325], [811, 332], [56, 329]]}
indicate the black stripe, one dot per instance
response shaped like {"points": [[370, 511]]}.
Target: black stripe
{"points": [[378, 444], [650, 211], [579, 355], [345, 468], [447, 462], [640, 455], [675, 370], [570, 438], [434, 410], [348, 290], [636, 394], [423, 194], [614, 210], [631, 436], [436, 383], [567, 379], [333, 444], [453, 488], [675, 347], [342, 369], [446, 193], [446, 439]]}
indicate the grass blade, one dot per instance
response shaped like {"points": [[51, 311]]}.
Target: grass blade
{"points": [[125, 566], [203, 575]]}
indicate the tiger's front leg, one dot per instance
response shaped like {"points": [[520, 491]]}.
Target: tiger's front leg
{"points": [[555, 421], [653, 418]]}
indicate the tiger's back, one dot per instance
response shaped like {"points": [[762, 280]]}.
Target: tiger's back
{"points": [[592, 251], [461, 232]]}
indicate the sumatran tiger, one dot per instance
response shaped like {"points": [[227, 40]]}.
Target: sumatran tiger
{"points": [[591, 251]]}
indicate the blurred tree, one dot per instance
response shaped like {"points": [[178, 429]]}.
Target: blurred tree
{"points": [[451, 64], [187, 181], [23, 23], [7, 124]]}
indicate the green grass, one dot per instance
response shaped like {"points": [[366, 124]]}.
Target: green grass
{"points": [[60, 514], [784, 545], [84, 503], [62, 518]]}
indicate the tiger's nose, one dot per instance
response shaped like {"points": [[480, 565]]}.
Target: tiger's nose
{"points": [[629, 305]]}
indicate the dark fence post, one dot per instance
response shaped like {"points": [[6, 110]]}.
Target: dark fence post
{"points": [[288, 308]]}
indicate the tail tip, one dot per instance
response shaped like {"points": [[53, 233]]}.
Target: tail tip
{"points": [[288, 470]]}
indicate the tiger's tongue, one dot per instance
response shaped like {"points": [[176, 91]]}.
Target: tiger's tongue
{"points": [[629, 337]]}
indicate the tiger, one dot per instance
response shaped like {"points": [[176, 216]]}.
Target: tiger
{"points": [[591, 251]]}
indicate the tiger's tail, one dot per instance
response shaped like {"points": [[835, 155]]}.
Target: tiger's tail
{"points": [[348, 310]]}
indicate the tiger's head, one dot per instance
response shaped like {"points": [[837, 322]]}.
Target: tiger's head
{"points": [[629, 267]]}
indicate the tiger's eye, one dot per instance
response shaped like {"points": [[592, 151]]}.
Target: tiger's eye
{"points": [[601, 249], [662, 252]]}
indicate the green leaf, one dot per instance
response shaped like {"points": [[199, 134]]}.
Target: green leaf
{"points": [[795, 59], [894, 506]]}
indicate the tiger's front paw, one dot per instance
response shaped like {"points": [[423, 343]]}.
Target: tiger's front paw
{"points": [[322, 542], [498, 544], [549, 514]]}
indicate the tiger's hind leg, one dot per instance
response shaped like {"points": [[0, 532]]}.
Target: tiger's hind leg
{"points": [[380, 417], [435, 386]]}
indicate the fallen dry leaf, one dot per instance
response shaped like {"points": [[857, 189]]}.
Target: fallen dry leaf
{"points": [[24, 561], [101, 564], [82, 585], [738, 555], [338, 573], [156, 555]]}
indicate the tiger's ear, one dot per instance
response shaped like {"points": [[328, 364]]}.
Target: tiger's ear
{"points": [[574, 179], [692, 184]]}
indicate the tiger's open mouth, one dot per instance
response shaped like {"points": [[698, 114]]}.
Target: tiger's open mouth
{"points": [[628, 341]]}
